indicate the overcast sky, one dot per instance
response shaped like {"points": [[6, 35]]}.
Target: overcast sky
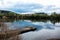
{"points": [[30, 6]]}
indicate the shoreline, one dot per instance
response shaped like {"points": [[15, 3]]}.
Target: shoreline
{"points": [[13, 33]]}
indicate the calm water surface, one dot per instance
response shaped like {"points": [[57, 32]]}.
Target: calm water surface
{"points": [[45, 30]]}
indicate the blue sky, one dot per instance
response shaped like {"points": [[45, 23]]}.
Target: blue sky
{"points": [[30, 6]]}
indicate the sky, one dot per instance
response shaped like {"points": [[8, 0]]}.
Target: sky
{"points": [[30, 6]]}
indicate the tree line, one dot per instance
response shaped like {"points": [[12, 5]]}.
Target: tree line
{"points": [[42, 15]]}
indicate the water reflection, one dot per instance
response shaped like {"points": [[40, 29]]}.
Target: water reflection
{"points": [[43, 34], [46, 29], [41, 20], [25, 23]]}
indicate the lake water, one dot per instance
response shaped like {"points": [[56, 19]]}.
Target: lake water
{"points": [[45, 29]]}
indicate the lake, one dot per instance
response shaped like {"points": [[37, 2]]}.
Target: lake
{"points": [[45, 29]]}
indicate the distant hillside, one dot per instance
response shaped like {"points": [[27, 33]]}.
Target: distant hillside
{"points": [[7, 13], [4, 11]]}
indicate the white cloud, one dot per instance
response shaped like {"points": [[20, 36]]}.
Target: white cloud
{"points": [[18, 4], [27, 13]]}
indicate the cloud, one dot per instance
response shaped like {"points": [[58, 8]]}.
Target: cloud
{"points": [[24, 6]]}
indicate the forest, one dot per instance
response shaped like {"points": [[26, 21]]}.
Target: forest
{"points": [[37, 16]]}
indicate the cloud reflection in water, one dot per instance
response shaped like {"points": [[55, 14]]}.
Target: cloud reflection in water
{"points": [[43, 34]]}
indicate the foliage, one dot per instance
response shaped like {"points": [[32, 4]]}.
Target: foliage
{"points": [[37, 16]]}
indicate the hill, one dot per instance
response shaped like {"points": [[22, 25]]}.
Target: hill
{"points": [[8, 14]]}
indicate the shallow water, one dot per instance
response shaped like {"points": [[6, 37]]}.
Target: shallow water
{"points": [[45, 30]]}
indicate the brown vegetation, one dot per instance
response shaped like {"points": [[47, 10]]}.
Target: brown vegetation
{"points": [[6, 34]]}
